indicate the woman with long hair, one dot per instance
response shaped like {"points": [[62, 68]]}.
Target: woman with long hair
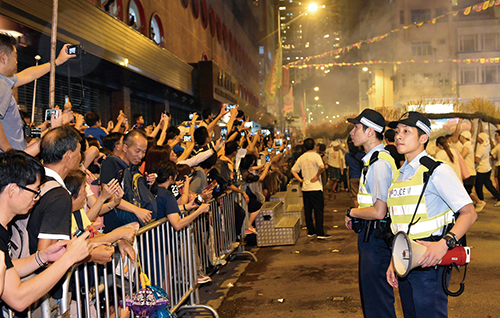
{"points": [[450, 155]]}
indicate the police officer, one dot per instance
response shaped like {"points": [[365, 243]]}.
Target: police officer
{"points": [[377, 297], [422, 293]]}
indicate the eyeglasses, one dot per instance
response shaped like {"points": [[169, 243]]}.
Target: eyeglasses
{"points": [[36, 192]]}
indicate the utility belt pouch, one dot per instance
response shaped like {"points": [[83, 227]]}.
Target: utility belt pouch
{"points": [[383, 231], [383, 227], [357, 225]]}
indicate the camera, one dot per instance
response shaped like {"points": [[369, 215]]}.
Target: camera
{"points": [[74, 49], [187, 138], [32, 132], [49, 112]]}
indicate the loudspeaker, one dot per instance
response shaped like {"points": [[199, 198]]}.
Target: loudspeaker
{"points": [[406, 253]]}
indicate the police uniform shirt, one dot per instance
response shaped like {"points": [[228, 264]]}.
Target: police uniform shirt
{"points": [[379, 176], [444, 189]]}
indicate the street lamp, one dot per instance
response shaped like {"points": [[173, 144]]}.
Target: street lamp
{"points": [[313, 7]]}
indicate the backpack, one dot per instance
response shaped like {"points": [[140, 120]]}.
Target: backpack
{"points": [[19, 239], [136, 191]]}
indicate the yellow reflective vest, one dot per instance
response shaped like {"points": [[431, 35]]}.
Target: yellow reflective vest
{"points": [[364, 197], [402, 201]]}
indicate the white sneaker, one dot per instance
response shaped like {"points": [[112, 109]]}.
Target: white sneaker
{"points": [[202, 278], [480, 206]]}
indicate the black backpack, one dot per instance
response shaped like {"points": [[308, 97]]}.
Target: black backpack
{"points": [[136, 191]]}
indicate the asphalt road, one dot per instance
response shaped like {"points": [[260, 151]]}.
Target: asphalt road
{"points": [[319, 278]]}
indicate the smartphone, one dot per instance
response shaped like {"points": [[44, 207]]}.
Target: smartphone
{"points": [[79, 233], [248, 124], [198, 200], [49, 112], [242, 134], [187, 138], [223, 133], [253, 133], [289, 147], [269, 149], [191, 174], [73, 49], [268, 158], [191, 116], [278, 142], [277, 152], [230, 106], [66, 99], [287, 138]]}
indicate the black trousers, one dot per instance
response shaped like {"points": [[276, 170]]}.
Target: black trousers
{"points": [[484, 179], [314, 201]]}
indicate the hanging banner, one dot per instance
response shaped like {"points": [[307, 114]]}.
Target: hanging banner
{"points": [[484, 60]]}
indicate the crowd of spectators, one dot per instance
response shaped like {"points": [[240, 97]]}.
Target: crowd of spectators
{"points": [[79, 190], [107, 182]]}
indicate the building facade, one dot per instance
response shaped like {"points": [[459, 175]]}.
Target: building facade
{"points": [[144, 56], [427, 42]]}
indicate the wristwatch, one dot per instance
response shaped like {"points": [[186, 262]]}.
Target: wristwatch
{"points": [[451, 240], [348, 212]]}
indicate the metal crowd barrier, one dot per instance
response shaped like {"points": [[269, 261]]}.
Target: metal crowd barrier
{"points": [[170, 259], [216, 234]]}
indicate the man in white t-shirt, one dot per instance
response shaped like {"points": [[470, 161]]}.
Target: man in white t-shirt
{"points": [[311, 166], [335, 167], [496, 156], [483, 168]]}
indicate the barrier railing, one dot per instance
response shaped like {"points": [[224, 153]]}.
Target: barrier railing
{"points": [[171, 259]]}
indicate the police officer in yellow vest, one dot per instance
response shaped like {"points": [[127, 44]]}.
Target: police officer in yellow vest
{"points": [[422, 293], [370, 218]]}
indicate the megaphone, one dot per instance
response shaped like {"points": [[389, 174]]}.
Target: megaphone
{"points": [[406, 253]]}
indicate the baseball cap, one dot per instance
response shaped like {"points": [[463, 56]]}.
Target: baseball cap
{"points": [[466, 134], [413, 119], [370, 118]]}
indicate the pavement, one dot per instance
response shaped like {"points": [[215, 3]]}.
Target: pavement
{"points": [[315, 278]]}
